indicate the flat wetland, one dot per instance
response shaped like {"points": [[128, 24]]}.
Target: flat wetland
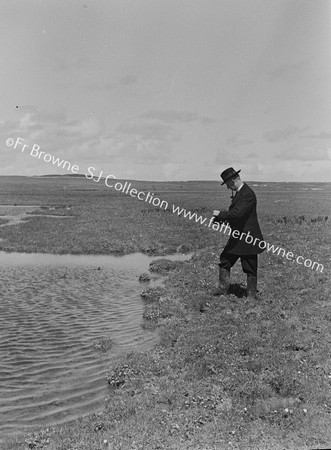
{"points": [[223, 374]]}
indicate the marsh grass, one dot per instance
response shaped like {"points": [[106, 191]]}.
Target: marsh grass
{"points": [[236, 376], [104, 221]]}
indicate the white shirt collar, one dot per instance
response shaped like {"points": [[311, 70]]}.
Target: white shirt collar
{"points": [[240, 187]]}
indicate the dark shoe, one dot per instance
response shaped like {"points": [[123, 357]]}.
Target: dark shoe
{"points": [[251, 287], [223, 282]]}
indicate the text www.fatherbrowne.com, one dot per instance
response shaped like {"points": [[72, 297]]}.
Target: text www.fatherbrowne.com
{"points": [[149, 197], [249, 239]]}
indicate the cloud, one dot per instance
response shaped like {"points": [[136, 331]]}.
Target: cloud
{"points": [[54, 133], [149, 143], [86, 129], [305, 154], [134, 146], [206, 120], [78, 64], [288, 71], [128, 79], [177, 117], [321, 135], [151, 131], [136, 151], [236, 141], [228, 158], [170, 170], [255, 169], [236, 158], [284, 134], [101, 87]]}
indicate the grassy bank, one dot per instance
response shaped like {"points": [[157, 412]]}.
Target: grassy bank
{"points": [[103, 221], [226, 374], [234, 376]]}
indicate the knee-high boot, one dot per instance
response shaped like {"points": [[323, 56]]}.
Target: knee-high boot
{"points": [[223, 282], [251, 287]]}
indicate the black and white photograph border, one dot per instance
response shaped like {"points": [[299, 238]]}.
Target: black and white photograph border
{"points": [[165, 225]]}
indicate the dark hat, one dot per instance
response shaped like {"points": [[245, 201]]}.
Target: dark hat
{"points": [[228, 174]]}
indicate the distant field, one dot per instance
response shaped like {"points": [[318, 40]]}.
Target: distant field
{"points": [[103, 221]]}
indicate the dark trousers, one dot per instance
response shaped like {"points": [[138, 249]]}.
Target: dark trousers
{"points": [[248, 262]]}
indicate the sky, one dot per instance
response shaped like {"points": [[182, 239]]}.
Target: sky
{"points": [[167, 89]]}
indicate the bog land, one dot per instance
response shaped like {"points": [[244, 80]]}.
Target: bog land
{"points": [[226, 374]]}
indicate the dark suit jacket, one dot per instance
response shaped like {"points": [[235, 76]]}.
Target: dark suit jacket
{"points": [[242, 216]]}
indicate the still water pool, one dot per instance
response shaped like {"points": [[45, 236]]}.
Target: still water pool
{"points": [[58, 315]]}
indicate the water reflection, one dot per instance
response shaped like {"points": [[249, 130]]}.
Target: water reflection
{"points": [[15, 214], [56, 312]]}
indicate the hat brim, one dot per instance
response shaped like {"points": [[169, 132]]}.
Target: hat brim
{"points": [[231, 176]]}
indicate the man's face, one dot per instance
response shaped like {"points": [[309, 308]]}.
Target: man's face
{"points": [[230, 184]]}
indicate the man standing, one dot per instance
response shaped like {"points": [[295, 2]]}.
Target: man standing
{"points": [[241, 216]]}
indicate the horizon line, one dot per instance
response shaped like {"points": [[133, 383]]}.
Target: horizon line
{"points": [[78, 175]]}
